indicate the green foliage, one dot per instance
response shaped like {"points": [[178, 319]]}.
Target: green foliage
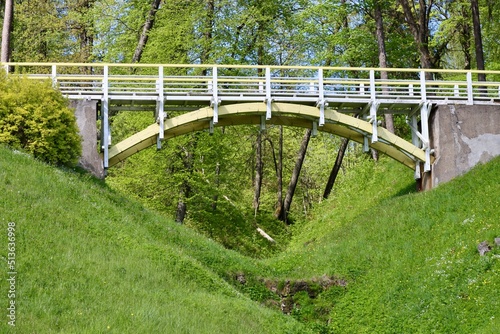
{"points": [[36, 118]]}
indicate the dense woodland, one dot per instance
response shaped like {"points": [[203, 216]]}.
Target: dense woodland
{"points": [[242, 174]]}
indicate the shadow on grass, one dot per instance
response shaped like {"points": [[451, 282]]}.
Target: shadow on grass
{"points": [[410, 189]]}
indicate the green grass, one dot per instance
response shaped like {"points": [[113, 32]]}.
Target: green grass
{"points": [[91, 261], [411, 261]]}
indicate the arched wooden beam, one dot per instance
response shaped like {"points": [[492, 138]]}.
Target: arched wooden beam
{"points": [[282, 114]]}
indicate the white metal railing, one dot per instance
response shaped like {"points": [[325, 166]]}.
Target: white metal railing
{"points": [[216, 83], [360, 88]]}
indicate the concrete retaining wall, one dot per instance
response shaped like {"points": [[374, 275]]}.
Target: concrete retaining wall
{"points": [[86, 112], [462, 136]]}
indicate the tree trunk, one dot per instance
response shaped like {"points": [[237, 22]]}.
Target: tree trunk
{"points": [[258, 172], [464, 28], [215, 197], [181, 211], [187, 156], [86, 36], [148, 25], [336, 168], [208, 32], [382, 59], [279, 176], [295, 176], [478, 40], [6, 31], [419, 30]]}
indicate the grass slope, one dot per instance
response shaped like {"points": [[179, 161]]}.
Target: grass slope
{"points": [[90, 261], [411, 261]]}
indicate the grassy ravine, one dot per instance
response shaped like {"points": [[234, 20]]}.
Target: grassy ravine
{"points": [[91, 261], [411, 262]]}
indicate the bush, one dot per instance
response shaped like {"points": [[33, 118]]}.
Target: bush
{"points": [[36, 118]]}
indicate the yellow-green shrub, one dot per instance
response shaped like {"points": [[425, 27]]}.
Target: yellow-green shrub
{"points": [[36, 118]]}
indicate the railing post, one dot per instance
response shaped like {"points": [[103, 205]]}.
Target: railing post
{"points": [[423, 88], [373, 94], [373, 107], [470, 91], [161, 107], [106, 136], [321, 98], [424, 120], [268, 93], [54, 75], [214, 103]]}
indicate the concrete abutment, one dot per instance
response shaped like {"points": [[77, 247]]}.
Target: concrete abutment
{"points": [[461, 136], [86, 116]]}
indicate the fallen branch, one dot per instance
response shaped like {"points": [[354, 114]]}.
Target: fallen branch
{"points": [[264, 234]]}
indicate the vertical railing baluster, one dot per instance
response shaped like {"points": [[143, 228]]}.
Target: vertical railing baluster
{"points": [[321, 97], [268, 93], [373, 94], [423, 88], [424, 123], [54, 76], [470, 91], [374, 104], [215, 97], [161, 107]]}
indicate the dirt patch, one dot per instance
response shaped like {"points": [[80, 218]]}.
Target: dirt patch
{"points": [[287, 290]]}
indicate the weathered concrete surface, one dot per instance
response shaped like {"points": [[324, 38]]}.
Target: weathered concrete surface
{"points": [[85, 112], [462, 136]]}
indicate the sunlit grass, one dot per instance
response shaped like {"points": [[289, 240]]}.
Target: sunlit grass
{"points": [[411, 261], [91, 261]]}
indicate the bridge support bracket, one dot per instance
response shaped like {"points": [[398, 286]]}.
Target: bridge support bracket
{"points": [[372, 118], [263, 123], [211, 127], [160, 104], [366, 145], [269, 102], [321, 104], [214, 104]]}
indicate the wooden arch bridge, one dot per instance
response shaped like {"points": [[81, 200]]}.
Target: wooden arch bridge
{"points": [[320, 98]]}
